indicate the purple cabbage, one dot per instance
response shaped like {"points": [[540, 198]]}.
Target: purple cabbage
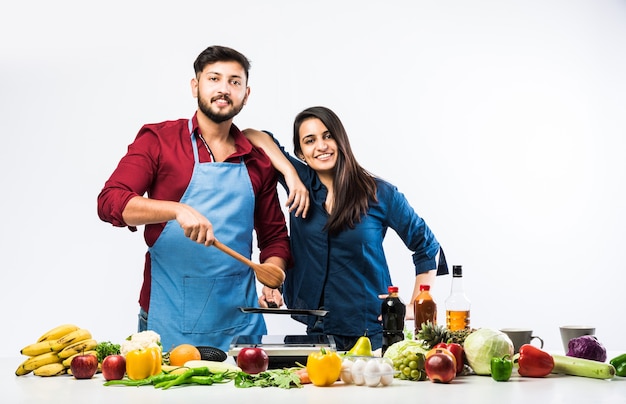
{"points": [[586, 347]]}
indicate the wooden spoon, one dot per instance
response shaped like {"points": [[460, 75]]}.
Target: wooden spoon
{"points": [[268, 274]]}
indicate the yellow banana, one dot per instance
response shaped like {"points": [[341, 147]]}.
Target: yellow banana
{"points": [[78, 347], [58, 332], [38, 348], [20, 371], [51, 369], [68, 361], [35, 362], [74, 336]]}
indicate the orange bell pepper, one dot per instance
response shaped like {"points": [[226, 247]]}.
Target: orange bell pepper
{"points": [[323, 367], [143, 363]]}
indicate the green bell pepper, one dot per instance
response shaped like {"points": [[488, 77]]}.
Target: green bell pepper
{"points": [[501, 368], [619, 363]]}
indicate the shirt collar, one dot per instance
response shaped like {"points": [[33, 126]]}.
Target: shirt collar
{"points": [[242, 144]]}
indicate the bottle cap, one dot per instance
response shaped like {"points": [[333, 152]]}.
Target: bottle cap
{"points": [[457, 270], [392, 289], [424, 287]]}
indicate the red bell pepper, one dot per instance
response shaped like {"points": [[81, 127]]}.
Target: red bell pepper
{"points": [[457, 351], [534, 362]]}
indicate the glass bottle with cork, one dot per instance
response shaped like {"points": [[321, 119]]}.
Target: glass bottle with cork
{"points": [[393, 312], [457, 304], [424, 308]]}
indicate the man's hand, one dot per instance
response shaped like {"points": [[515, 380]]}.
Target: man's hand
{"points": [[195, 226], [270, 298]]}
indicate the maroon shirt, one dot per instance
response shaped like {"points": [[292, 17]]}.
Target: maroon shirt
{"points": [[160, 162]]}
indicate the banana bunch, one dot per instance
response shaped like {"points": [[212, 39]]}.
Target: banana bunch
{"points": [[53, 352]]}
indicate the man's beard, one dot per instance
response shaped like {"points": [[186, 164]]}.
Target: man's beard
{"points": [[219, 117]]}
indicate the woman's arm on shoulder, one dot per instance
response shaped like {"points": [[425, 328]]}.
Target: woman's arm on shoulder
{"points": [[298, 198]]}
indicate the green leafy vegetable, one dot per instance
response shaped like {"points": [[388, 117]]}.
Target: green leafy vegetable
{"points": [[283, 378], [482, 345], [104, 349]]}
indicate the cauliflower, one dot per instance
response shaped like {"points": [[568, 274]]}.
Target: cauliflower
{"points": [[140, 340]]}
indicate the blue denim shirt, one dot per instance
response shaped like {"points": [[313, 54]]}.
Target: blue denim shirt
{"points": [[345, 273]]}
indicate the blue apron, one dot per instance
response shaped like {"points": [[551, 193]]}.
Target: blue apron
{"points": [[196, 290]]}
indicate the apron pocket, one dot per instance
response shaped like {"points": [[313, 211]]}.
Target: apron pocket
{"points": [[212, 304]]}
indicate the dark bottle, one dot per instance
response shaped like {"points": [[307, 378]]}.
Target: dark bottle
{"points": [[393, 311], [425, 308]]}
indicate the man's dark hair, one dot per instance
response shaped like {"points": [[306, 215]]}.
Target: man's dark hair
{"points": [[214, 54]]}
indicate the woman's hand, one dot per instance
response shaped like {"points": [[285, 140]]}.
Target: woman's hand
{"points": [[298, 198]]}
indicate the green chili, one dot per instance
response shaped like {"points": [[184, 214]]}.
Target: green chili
{"points": [[160, 378]]}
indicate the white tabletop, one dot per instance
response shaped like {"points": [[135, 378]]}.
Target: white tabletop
{"points": [[464, 389]]}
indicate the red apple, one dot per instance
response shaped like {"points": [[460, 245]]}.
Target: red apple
{"points": [[440, 367], [457, 351], [253, 360], [114, 367], [84, 366]]}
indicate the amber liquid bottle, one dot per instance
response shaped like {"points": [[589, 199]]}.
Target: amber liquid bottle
{"points": [[457, 304], [425, 308], [393, 312]]}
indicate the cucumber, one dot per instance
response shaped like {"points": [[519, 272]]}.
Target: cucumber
{"points": [[214, 366], [570, 365]]}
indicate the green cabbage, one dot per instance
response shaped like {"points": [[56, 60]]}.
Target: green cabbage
{"points": [[482, 345], [401, 348]]}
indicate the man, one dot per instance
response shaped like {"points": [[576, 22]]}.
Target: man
{"points": [[203, 181]]}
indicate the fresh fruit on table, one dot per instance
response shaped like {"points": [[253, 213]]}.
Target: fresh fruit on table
{"points": [[68, 361], [55, 346], [183, 353], [114, 367], [58, 332], [441, 366], [51, 369], [84, 366], [362, 347], [253, 360], [408, 359], [78, 347], [457, 351], [323, 367], [432, 334]]}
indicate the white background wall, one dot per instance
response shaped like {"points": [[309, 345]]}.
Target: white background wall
{"points": [[502, 122]]}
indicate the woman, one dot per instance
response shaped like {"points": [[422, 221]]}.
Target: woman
{"points": [[337, 241]]}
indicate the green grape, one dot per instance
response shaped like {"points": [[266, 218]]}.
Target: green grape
{"points": [[410, 366]]}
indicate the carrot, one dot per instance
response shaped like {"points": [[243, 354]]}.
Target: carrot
{"points": [[303, 375]]}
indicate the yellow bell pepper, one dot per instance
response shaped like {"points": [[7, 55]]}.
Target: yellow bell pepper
{"points": [[143, 363], [323, 367]]}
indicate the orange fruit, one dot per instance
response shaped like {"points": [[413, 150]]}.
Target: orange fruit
{"points": [[183, 353]]}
